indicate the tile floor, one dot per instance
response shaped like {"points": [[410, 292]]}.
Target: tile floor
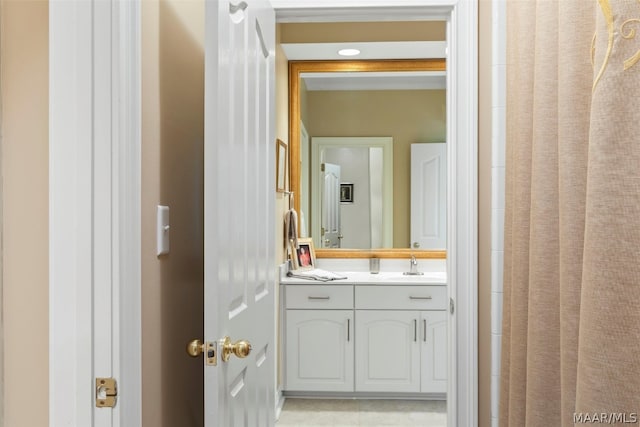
{"points": [[370, 413]]}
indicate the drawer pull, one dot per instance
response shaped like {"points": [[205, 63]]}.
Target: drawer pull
{"points": [[315, 298], [427, 297]]}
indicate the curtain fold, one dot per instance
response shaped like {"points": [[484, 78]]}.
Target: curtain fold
{"points": [[574, 109], [571, 312]]}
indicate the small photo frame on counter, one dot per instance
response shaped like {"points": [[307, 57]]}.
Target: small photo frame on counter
{"points": [[304, 256]]}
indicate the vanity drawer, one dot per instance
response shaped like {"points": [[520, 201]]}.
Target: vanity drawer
{"points": [[399, 297], [319, 296]]}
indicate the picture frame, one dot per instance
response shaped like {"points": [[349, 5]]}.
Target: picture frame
{"points": [[346, 192], [281, 166], [304, 256]]}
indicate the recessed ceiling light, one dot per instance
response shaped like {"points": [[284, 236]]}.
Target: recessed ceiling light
{"points": [[348, 52]]}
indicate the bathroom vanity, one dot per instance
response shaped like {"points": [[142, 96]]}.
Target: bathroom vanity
{"points": [[368, 334]]}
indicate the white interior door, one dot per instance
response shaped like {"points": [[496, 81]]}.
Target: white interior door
{"points": [[429, 196], [239, 210], [330, 206]]}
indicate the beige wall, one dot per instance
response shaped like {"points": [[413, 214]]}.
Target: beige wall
{"points": [[416, 116], [25, 258], [282, 133], [172, 175], [363, 31]]}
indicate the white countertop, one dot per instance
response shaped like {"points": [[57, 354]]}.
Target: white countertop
{"points": [[382, 278]]}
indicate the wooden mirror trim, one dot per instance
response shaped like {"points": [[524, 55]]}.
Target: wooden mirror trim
{"points": [[298, 67]]}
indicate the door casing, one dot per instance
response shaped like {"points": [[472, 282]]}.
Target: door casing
{"points": [[94, 210]]}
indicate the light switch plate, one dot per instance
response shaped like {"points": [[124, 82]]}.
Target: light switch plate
{"points": [[163, 230]]}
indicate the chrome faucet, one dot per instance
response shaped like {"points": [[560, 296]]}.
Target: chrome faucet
{"points": [[413, 264]]}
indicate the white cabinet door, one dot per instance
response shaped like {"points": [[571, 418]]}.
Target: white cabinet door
{"points": [[387, 351], [319, 350], [434, 351]]}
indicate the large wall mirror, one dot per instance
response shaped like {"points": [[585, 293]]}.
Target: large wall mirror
{"points": [[368, 156]]}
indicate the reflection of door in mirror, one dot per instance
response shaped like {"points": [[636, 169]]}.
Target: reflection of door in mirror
{"points": [[330, 205], [429, 196]]}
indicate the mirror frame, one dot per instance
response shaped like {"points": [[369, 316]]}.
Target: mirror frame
{"points": [[296, 68]]}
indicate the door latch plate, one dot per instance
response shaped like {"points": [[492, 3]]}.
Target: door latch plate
{"points": [[106, 392], [211, 354]]}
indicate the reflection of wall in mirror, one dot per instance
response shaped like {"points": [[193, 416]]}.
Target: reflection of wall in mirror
{"points": [[305, 157], [407, 116]]}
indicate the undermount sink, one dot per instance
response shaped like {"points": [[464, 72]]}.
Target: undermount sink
{"points": [[400, 277]]}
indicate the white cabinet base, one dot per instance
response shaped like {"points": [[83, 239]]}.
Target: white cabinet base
{"points": [[365, 341]]}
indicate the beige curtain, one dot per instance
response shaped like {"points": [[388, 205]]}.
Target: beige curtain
{"points": [[571, 312]]}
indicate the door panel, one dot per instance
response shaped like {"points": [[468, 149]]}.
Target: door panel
{"points": [[429, 196], [330, 205], [239, 209]]}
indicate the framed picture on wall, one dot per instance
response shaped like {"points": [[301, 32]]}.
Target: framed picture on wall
{"points": [[281, 166], [304, 256], [346, 192]]}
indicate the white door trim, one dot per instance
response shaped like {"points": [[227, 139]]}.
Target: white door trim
{"points": [[94, 210], [462, 169]]}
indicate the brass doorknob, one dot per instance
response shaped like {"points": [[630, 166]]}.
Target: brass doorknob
{"points": [[240, 348], [195, 348]]}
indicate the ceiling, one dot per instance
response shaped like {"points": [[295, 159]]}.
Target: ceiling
{"points": [[371, 50]]}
